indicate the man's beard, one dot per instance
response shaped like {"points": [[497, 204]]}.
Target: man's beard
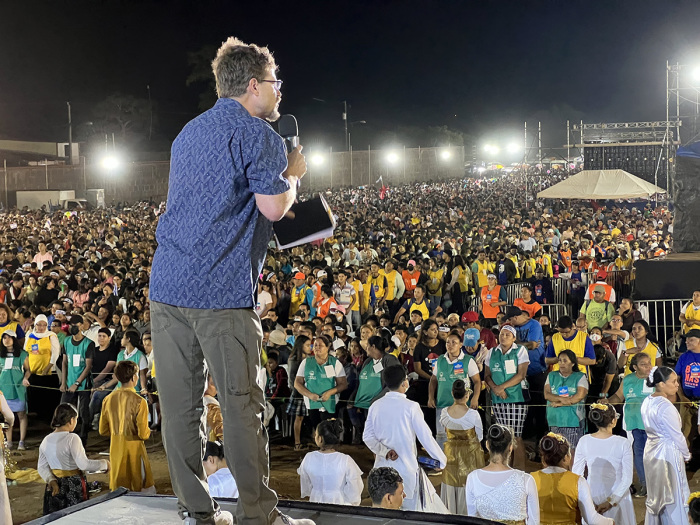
{"points": [[274, 114]]}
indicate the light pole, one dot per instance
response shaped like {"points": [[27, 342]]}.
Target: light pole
{"points": [[350, 143]]}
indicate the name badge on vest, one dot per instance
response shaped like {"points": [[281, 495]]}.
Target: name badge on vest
{"points": [[488, 296], [76, 360], [458, 369], [378, 367], [329, 370], [510, 367], [647, 389], [35, 348], [563, 391], [9, 361]]}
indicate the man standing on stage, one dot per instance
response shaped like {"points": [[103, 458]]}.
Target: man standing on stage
{"points": [[230, 178]]}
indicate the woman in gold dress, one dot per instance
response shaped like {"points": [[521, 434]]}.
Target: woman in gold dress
{"points": [[462, 448]]}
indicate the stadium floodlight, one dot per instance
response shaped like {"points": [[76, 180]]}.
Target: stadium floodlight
{"points": [[110, 162], [445, 154], [481, 169], [392, 158], [317, 159], [513, 147], [695, 75]]}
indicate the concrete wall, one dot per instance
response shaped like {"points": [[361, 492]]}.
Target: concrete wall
{"points": [[144, 180]]}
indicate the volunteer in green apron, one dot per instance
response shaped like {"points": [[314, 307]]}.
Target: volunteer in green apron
{"points": [[633, 391], [505, 370], [14, 380], [565, 391], [320, 379], [453, 365]]}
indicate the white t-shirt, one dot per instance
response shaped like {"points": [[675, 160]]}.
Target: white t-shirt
{"points": [[264, 298], [222, 484]]}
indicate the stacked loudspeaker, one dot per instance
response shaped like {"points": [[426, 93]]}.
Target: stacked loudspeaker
{"points": [[686, 200], [641, 161]]}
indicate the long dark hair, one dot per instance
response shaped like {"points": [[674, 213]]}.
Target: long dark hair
{"points": [[298, 350], [459, 261], [572, 357], [660, 375], [16, 347], [650, 335]]}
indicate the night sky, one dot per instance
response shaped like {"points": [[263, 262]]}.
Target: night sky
{"points": [[477, 67]]}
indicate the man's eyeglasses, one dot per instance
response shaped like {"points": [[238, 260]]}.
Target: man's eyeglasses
{"points": [[277, 83]]}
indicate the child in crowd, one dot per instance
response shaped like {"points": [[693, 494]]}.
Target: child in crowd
{"points": [[62, 462], [125, 418], [329, 476], [219, 477]]}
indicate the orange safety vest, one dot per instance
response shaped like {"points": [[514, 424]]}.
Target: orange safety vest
{"points": [[608, 290], [566, 259], [410, 281], [488, 297]]}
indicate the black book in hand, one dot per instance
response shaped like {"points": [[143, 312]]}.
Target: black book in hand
{"points": [[312, 221]]}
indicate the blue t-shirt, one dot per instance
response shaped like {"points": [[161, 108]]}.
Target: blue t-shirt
{"points": [[212, 238], [532, 331], [688, 370]]}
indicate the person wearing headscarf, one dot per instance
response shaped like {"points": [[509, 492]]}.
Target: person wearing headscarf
{"points": [[44, 350]]}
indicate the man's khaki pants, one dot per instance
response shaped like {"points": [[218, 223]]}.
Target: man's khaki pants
{"points": [[188, 344]]}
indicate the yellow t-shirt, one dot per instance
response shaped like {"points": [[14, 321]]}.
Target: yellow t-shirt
{"points": [[434, 287], [390, 283], [690, 312]]}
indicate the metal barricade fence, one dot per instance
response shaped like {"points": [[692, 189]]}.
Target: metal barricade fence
{"points": [[663, 320], [554, 311], [622, 282]]}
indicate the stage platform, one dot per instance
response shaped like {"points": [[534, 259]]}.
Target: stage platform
{"points": [[121, 507], [672, 277]]}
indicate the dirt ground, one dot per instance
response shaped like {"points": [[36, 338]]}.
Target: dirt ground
{"points": [[27, 499]]}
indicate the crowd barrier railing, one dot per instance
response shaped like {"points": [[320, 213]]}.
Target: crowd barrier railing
{"points": [[663, 315], [622, 282]]}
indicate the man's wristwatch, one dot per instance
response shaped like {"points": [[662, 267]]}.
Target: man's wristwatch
{"points": [[77, 383], [603, 395]]}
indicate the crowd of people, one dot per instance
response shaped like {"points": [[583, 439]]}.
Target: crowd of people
{"points": [[402, 326]]}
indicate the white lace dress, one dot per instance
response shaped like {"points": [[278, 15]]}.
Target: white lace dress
{"points": [[509, 495]]}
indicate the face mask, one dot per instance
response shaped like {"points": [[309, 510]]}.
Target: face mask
{"points": [[595, 337], [74, 329]]}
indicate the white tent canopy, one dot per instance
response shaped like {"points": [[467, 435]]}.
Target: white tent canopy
{"points": [[601, 184]]}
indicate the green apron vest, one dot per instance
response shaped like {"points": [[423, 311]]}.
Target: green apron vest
{"points": [[318, 382], [446, 375], [566, 416], [136, 358], [11, 375], [370, 384], [635, 391], [76, 361], [501, 372]]}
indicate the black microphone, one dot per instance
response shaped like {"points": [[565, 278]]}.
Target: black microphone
{"points": [[289, 130]]}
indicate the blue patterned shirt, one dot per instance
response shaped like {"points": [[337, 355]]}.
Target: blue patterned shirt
{"points": [[212, 239]]}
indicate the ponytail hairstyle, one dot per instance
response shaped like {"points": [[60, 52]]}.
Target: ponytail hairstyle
{"points": [[659, 374], [460, 390], [498, 439], [553, 448], [636, 358], [602, 415], [379, 342], [650, 335], [63, 414], [330, 431]]}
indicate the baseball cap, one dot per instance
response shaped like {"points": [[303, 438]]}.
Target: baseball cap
{"points": [[599, 288], [512, 311], [691, 333], [411, 262], [321, 273], [491, 275], [12, 333], [299, 275], [602, 274], [470, 317], [472, 336], [278, 337], [510, 329]]}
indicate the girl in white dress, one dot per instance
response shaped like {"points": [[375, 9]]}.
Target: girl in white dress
{"points": [[665, 453], [609, 462], [463, 447], [498, 492], [219, 477], [328, 476]]}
